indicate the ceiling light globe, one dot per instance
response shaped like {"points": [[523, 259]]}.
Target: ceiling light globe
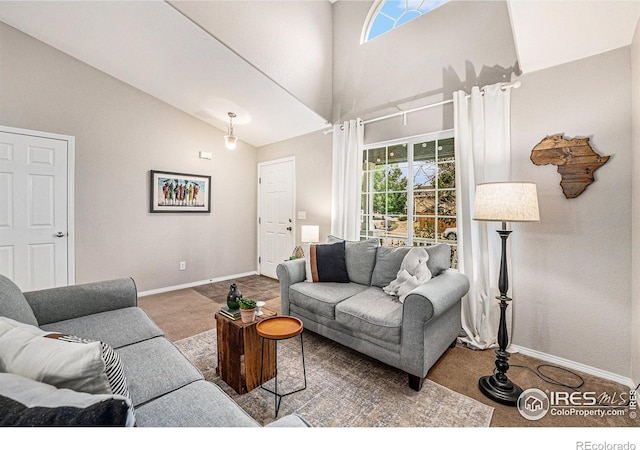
{"points": [[230, 141]]}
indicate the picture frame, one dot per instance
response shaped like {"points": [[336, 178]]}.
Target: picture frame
{"points": [[174, 192]]}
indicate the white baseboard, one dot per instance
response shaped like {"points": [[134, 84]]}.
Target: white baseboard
{"points": [[576, 366], [194, 284]]}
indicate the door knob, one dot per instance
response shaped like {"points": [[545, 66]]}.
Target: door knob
{"points": [[59, 234], [289, 228]]}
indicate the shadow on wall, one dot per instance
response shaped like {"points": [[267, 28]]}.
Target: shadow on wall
{"points": [[451, 82]]}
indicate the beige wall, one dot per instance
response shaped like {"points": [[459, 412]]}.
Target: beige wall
{"points": [[121, 134], [571, 271], [635, 227], [290, 41], [313, 157]]}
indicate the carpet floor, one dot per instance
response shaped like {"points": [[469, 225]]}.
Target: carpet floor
{"points": [[344, 389]]}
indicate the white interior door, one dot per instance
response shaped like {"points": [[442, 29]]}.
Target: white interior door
{"points": [[276, 215], [34, 209]]}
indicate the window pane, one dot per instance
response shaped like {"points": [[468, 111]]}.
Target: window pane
{"points": [[398, 226], [398, 154], [424, 176], [364, 204], [425, 151], [393, 8], [397, 203], [380, 25], [379, 181], [366, 185], [407, 17], [394, 242], [446, 150], [447, 203], [447, 175], [376, 158], [424, 227], [379, 204], [447, 230], [424, 202]]}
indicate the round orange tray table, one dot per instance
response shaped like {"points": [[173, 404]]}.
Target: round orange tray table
{"points": [[279, 327], [275, 329]]}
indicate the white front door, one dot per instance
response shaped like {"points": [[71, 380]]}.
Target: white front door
{"points": [[275, 216], [34, 209]]}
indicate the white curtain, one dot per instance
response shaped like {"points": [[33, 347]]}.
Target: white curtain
{"points": [[347, 179], [483, 152]]}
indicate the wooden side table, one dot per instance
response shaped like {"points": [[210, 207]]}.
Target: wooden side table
{"points": [[239, 353]]}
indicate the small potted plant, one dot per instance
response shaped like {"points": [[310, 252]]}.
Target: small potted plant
{"points": [[247, 309]]}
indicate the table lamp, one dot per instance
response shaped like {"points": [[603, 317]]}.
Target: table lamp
{"points": [[504, 202], [309, 234]]}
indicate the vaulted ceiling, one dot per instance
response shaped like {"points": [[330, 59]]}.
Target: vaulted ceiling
{"points": [[173, 53]]}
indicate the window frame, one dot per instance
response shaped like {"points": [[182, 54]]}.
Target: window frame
{"points": [[369, 231], [376, 9]]}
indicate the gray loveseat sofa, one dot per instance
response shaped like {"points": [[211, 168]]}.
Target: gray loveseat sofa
{"points": [[410, 336], [166, 389]]}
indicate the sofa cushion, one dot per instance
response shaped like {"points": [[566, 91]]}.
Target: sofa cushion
{"points": [[155, 367], [389, 260], [439, 258], [325, 263], [61, 364], [117, 328], [373, 313], [198, 404], [25, 402], [360, 257], [322, 298], [13, 304]]}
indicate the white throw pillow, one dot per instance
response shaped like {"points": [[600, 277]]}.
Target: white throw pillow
{"points": [[63, 365]]}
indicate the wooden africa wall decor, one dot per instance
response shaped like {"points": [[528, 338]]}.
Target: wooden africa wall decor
{"points": [[576, 161]]}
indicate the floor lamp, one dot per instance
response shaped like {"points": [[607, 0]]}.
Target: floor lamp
{"points": [[504, 202]]}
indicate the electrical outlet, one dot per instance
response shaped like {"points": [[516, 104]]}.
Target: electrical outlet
{"points": [[183, 265]]}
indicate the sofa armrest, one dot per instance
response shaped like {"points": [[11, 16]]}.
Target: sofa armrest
{"points": [[436, 296], [69, 302], [289, 273]]}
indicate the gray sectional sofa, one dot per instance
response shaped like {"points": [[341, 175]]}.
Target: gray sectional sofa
{"points": [[410, 336], [165, 388]]}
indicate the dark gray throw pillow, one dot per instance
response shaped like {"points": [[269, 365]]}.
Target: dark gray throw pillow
{"points": [[326, 263], [109, 412]]}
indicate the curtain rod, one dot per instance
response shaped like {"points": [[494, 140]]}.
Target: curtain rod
{"points": [[504, 87]]}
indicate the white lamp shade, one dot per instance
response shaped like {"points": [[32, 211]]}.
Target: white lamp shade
{"points": [[309, 233], [230, 141], [506, 202]]}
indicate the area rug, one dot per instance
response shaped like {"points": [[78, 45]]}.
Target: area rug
{"points": [[344, 388]]}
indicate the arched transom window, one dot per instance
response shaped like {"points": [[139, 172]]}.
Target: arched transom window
{"points": [[386, 15]]}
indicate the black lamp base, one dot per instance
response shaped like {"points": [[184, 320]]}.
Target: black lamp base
{"points": [[505, 392]]}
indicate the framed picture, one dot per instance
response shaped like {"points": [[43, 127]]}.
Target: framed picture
{"points": [[180, 192]]}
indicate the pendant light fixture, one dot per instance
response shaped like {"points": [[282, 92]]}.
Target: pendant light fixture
{"points": [[230, 140]]}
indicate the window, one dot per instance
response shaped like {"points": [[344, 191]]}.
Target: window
{"points": [[409, 192], [387, 15]]}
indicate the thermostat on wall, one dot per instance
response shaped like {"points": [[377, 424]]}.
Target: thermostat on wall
{"points": [[205, 155]]}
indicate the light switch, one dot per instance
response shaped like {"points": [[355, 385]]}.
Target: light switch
{"points": [[302, 215]]}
